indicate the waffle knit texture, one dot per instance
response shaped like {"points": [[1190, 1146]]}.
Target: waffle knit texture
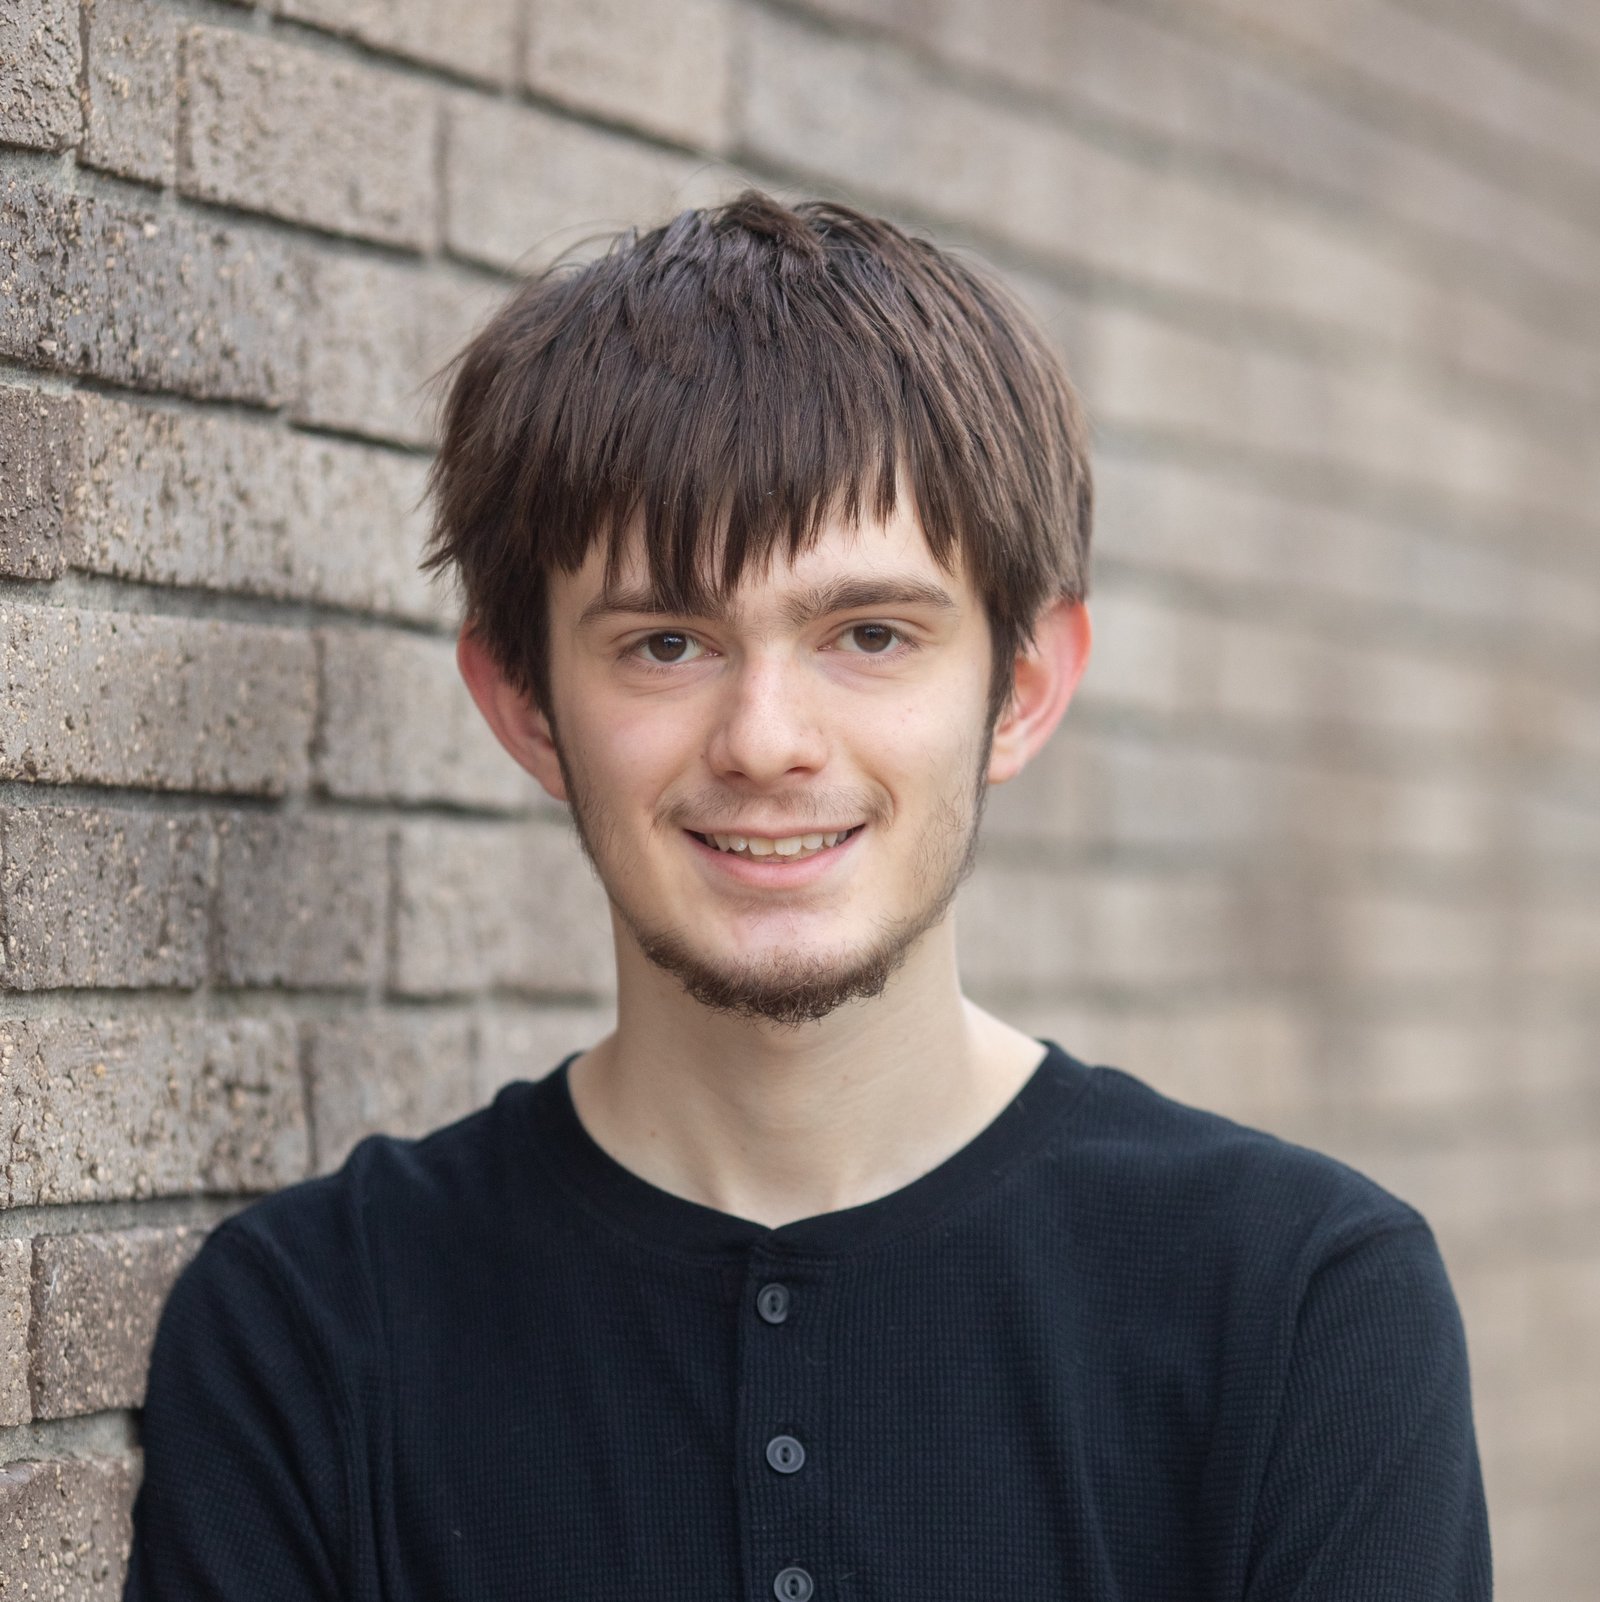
{"points": [[1115, 1348]]}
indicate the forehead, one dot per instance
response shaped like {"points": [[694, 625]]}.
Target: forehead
{"points": [[889, 549]]}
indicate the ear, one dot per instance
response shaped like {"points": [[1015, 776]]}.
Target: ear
{"points": [[1044, 680], [517, 722]]}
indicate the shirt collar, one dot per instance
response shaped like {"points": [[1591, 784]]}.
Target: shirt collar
{"points": [[658, 1218]]}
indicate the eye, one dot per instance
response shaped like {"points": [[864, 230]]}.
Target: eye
{"points": [[870, 639], [665, 648]]}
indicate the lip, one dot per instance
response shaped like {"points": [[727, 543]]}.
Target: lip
{"points": [[772, 872]]}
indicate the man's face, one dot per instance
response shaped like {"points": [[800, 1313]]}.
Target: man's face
{"points": [[782, 799]]}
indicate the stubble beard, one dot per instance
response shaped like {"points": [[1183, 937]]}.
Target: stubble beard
{"points": [[794, 989]]}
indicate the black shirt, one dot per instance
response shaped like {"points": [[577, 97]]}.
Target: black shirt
{"points": [[1114, 1349]]}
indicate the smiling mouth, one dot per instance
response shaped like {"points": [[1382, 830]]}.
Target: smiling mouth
{"points": [[788, 848]]}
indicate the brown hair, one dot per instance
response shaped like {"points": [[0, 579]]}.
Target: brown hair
{"points": [[733, 377]]}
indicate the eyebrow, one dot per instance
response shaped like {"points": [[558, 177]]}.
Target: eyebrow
{"points": [[837, 595]]}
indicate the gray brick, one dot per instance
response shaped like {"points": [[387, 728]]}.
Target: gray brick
{"points": [[1205, 95], [1154, 377], [398, 725], [199, 705], [39, 55], [1414, 57], [224, 503], [1437, 1072], [40, 447], [825, 104], [131, 89], [522, 185], [484, 905], [478, 41], [299, 901], [373, 335], [900, 135], [1558, 937], [393, 1073], [527, 1042], [1253, 1059], [68, 1525], [1568, 23], [309, 137], [1021, 929], [112, 1109], [96, 1299], [152, 299], [1094, 787], [16, 1300], [1387, 936], [1554, 827], [1273, 672], [1529, 1317], [1178, 659], [102, 898], [667, 69], [1172, 517]]}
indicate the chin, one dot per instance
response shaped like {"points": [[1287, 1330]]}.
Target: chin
{"points": [[783, 986]]}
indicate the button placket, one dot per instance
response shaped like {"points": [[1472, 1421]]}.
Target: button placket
{"points": [[784, 1498], [792, 1584]]}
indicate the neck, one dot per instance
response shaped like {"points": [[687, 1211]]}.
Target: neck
{"points": [[773, 1123]]}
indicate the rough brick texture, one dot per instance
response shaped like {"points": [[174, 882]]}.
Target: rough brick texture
{"points": [[114, 1109], [1318, 844], [96, 1297], [479, 43], [16, 1302], [39, 54], [527, 1042], [373, 335], [301, 135], [522, 185], [180, 498], [399, 725], [97, 897], [399, 1073], [39, 450], [300, 901], [667, 69], [65, 1527], [200, 705], [159, 300], [131, 88], [496, 905]]}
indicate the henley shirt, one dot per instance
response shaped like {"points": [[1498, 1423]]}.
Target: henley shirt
{"points": [[1114, 1349]]}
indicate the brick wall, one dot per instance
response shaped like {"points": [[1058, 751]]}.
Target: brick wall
{"points": [[1319, 845]]}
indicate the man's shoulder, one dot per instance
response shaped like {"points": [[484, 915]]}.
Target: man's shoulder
{"points": [[1190, 1171], [331, 1227]]}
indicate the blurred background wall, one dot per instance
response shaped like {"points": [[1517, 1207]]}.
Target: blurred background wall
{"points": [[1319, 846]]}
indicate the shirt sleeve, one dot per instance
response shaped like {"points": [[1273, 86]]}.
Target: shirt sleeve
{"points": [[244, 1489], [1373, 1490]]}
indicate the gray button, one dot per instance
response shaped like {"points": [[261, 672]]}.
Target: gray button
{"points": [[792, 1585], [785, 1453], [772, 1302]]}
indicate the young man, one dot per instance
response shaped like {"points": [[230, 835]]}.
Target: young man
{"points": [[812, 1279]]}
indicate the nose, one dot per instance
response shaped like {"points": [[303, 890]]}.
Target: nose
{"points": [[767, 726]]}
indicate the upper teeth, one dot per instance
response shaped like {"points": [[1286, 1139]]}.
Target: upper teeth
{"points": [[791, 845]]}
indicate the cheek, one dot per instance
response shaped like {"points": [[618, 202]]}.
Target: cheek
{"points": [[639, 751], [925, 733]]}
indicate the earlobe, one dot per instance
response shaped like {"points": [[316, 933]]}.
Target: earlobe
{"points": [[516, 720], [1046, 675]]}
